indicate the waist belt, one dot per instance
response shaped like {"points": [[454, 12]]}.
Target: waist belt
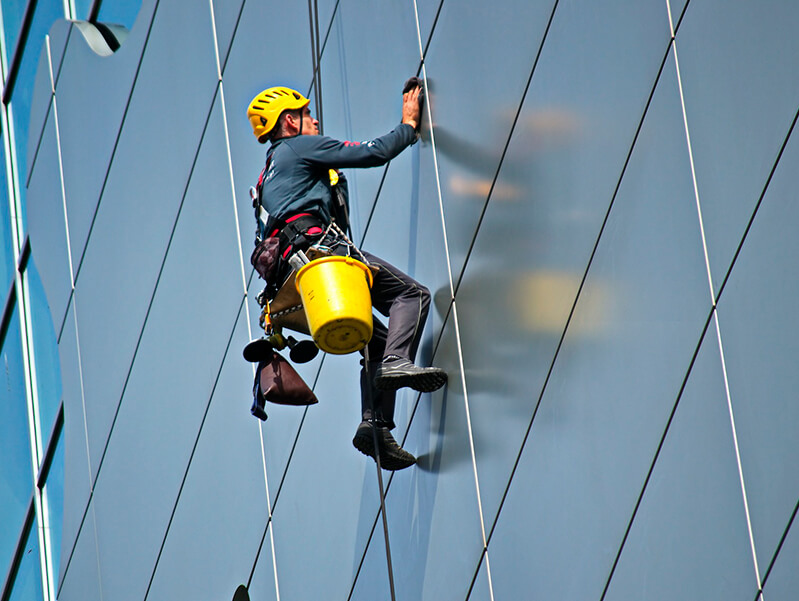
{"points": [[297, 231]]}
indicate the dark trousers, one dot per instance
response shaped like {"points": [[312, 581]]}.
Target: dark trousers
{"points": [[406, 303]]}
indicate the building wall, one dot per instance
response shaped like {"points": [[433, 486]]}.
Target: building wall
{"points": [[601, 205]]}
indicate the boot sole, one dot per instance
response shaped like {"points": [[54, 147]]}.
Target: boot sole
{"points": [[366, 445], [421, 382]]}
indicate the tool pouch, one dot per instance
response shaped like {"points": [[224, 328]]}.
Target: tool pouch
{"points": [[265, 258], [276, 381]]}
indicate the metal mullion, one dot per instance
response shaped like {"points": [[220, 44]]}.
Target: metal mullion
{"points": [[49, 452]]}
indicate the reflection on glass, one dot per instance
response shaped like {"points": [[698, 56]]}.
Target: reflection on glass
{"points": [[54, 497], [16, 473], [45, 345], [13, 11], [119, 12], [47, 12], [28, 579], [6, 247], [82, 9]]}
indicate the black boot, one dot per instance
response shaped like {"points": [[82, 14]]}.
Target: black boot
{"points": [[398, 373], [392, 456]]}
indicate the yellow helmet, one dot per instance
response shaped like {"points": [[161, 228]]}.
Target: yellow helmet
{"points": [[266, 107]]}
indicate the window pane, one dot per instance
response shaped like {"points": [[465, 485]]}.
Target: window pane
{"points": [[54, 496], [119, 12], [13, 11], [47, 11], [28, 580], [16, 476], [6, 248], [48, 367], [82, 8]]}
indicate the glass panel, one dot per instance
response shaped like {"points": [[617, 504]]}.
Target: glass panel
{"points": [[224, 491], [47, 11], [45, 347], [13, 13], [143, 194], [362, 90], [689, 538], [621, 365], [263, 582], [783, 580], [348, 493], [203, 258], [77, 473], [81, 582], [28, 579], [434, 517], [119, 12], [54, 495], [760, 335], [372, 582], [738, 111], [84, 77], [548, 205], [84, 7], [7, 266], [48, 231], [226, 18], [16, 477]]}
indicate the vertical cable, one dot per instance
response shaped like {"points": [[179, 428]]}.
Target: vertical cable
{"points": [[270, 520], [713, 300], [456, 321]]}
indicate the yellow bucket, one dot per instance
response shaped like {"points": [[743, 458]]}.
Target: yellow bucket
{"points": [[338, 304]]}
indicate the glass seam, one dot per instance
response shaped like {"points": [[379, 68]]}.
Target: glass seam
{"points": [[713, 301]]}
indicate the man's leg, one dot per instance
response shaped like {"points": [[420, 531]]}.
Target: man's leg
{"points": [[377, 410], [406, 302]]}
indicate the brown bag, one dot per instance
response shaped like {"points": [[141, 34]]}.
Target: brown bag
{"points": [[265, 258], [276, 381]]}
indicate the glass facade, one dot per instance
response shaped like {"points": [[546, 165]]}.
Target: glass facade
{"points": [[601, 203]]}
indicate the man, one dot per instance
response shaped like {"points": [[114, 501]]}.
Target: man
{"points": [[302, 191]]}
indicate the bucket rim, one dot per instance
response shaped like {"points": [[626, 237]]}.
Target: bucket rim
{"points": [[334, 259]]}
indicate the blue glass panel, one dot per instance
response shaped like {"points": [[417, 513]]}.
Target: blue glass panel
{"points": [[760, 336], [224, 491], [635, 327], [28, 579], [17, 473], [689, 538], [119, 12], [783, 580], [7, 266], [135, 219], [175, 373], [738, 111], [77, 472], [13, 12], [83, 78], [47, 11], [54, 493], [546, 210], [83, 7], [329, 494], [226, 18], [47, 226], [362, 90], [373, 582], [81, 582], [45, 348], [434, 517]]}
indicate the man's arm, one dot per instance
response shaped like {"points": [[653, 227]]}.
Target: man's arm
{"points": [[323, 151]]}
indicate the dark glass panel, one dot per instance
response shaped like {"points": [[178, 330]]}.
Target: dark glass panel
{"points": [[16, 477], [28, 578]]}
